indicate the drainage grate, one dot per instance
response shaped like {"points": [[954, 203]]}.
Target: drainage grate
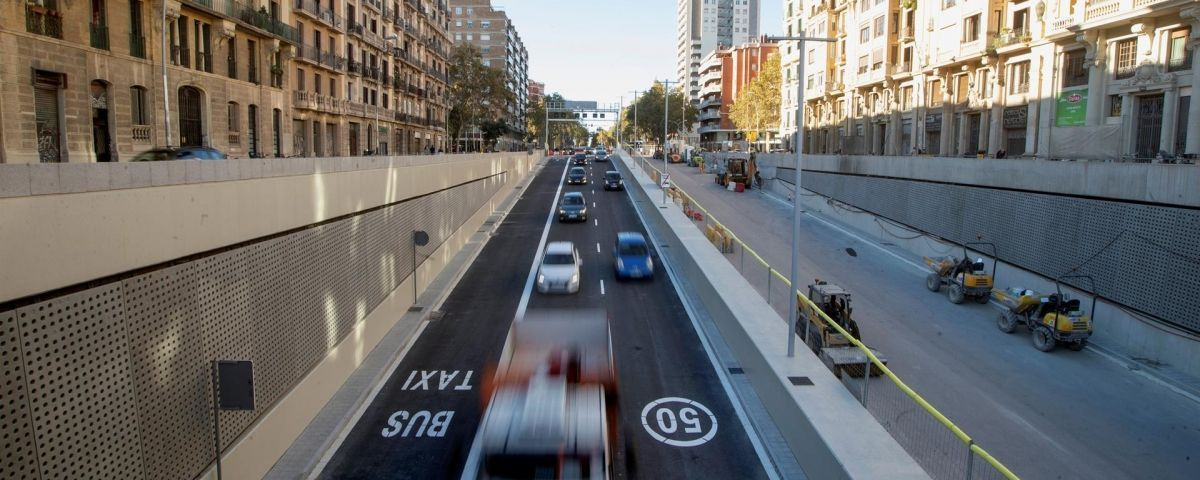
{"points": [[800, 381], [736, 370], [416, 308], [436, 315]]}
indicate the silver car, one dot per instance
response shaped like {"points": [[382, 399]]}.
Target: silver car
{"points": [[559, 272]]}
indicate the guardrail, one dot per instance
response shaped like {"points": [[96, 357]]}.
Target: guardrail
{"points": [[932, 448]]}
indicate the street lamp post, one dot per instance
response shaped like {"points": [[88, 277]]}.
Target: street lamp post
{"points": [[795, 274], [666, 115]]}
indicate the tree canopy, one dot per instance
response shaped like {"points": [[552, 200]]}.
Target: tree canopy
{"points": [[756, 108], [478, 93], [561, 133], [650, 114]]}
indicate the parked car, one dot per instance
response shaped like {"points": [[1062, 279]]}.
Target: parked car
{"points": [[179, 153], [613, 181], [559, 271], [577, 176], [572, 207], [631, 256]]}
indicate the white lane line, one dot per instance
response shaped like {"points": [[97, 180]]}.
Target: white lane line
{"points": [[595, 222], [341, 438], [471, 467], [722, 373], [602, 287], [537, 257], [597, 247], [593, 204]]}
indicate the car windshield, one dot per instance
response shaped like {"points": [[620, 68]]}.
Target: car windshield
{"points": [[573, 200], [632, 248], [558, 259], [612, 176], [577, 171]]}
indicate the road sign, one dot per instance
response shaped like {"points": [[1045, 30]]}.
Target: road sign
{"points": [[666, 180], [236, 385], [679, 422]]}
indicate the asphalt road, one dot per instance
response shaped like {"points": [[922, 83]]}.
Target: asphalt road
{"points": [[658, 355], [1062, 415]]}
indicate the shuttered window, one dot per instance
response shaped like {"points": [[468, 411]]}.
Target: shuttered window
{"points": [[46, 111]]}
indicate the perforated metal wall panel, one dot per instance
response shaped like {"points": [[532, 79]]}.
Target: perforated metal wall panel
{"points": [[115, 381], [1051, 235]]}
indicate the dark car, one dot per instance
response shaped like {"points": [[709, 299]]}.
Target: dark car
{"points": [[179, 153], [612, 180], [577, 176], [601, 155], [631, 256], [579, 159], [572, 207]]}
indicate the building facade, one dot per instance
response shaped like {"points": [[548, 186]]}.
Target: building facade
{"points": [[537, 92], [250, 79], [724, 74], [489, 29], [704, 26], [1109, 79]]}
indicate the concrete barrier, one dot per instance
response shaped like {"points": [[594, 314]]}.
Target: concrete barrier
{"points": [[825, 427]]}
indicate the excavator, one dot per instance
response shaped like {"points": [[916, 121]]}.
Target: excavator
{"points": [[834, 349]]}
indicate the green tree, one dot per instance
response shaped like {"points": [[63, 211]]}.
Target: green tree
{"points": [[478, 93], [756, 109], [492, 130], [650, 114]]}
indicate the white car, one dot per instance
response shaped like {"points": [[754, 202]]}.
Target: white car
{"points": [[559, 272]]}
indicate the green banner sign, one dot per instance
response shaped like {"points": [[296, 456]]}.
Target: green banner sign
{"points": [[1072, 108]]}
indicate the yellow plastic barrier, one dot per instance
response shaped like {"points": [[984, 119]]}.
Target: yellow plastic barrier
{"points": [[715, 230]]}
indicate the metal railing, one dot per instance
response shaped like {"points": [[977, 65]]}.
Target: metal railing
{"points": [[99, 35], [250, 14], [935, 442], [137, 45], [43, 21]]}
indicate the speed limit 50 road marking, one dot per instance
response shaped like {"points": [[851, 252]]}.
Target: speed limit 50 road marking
{"points": [[679, 422]]}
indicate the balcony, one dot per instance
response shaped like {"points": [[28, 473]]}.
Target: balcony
{"points": [[137, 45], [354, 28], [99, 35], [317, 102], [376, 4], [43, 21], [250, 14], [1010, 37], [906, 33], [333, 61], [314, 9], [309, 53], [354, 68], [710, 114]]}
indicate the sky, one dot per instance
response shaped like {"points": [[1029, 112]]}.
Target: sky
{"points": [[604, 49]]}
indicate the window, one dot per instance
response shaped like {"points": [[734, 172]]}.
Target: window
{"points": [[906, 95], [470, 37], [485, 37], [877, 60], [470, 24], [485, 24], [1018, 80], [1074, 74], [234, 122], [317, 82], [458, 10], [1126, 58], [864, 35], [1179, 57], [333, 87], [1114, 105], [862, 64], [811, 55], [458, 37], [137, 106], [1020, 22], [935, 93], [458, 23], [137, 39], [947, 4], [985, 84], [231, 60], [879, 26], [971, 28], [252, 58], [300, 79], [962, 88]]}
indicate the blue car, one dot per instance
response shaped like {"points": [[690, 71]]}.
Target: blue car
{"points": [[631, 256]]}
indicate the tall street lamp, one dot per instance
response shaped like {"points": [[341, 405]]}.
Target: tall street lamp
{"points": [[635, 124], [794, 277], [666, 115]]}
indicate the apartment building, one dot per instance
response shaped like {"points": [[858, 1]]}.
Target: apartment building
{"points": [[537, 92], [370, 77], [703, 26], [724, 75], [489, 29], [1107, 79], [250, 78]]}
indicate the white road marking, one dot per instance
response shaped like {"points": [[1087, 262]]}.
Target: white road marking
{"points": [[341, 438], [593, 204], [721, 372], [602, 286], [537, 257], [595, 222], [597, 247]]}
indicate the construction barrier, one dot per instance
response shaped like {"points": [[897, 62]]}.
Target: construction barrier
{"points": [[938, 445]]}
